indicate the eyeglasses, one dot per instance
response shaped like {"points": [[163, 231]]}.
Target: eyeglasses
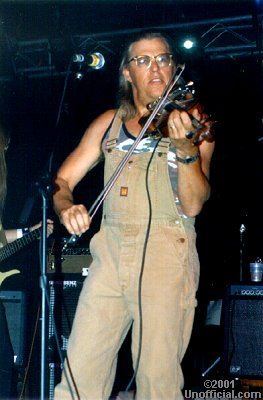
{"points": [[163, 60]]}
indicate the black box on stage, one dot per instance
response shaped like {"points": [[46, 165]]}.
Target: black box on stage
{"points": [[70, 260], [64, 291], [243, 331], [14, 303]]}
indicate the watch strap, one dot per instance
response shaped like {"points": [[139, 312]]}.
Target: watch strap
{"points": [[188, 159]]}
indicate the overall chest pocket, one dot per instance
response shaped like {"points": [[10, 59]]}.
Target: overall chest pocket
{"points": [[129, 193]]}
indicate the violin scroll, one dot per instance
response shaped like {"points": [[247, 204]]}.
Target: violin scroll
{"points": [[203, 130]]}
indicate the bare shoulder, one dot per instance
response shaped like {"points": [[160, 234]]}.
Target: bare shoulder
{"points": [[88, 152], [107, 116], [101, 123], [90, 144], [94, 133]]}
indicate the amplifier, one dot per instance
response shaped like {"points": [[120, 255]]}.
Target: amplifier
{"points": [[71, 260], [243, 333], [64, 290], [15, 310], [246, 290]]}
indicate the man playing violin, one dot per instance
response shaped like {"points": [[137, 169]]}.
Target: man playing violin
{"points": [[145, 268]]}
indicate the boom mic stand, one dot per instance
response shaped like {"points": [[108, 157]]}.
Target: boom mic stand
{"points": [[45, 189]]}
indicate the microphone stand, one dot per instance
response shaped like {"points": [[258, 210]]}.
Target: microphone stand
{"points": [[45, 188]]}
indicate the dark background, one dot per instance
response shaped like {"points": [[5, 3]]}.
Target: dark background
{"points": [[46, 109]]}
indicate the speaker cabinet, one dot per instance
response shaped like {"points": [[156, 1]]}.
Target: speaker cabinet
{"points": [[14, 303], [64, 290], [243, 331]]}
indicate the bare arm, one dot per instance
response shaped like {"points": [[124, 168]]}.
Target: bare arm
{"points": [[193, 183], [12, 234], [75, 216]]}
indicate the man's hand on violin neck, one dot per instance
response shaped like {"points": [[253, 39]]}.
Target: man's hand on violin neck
{"points": [[180, 128]]}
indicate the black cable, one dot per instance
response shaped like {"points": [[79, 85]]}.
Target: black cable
{"points": [[50, 160], [142, 270]]}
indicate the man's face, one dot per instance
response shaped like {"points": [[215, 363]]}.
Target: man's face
{"points": [[148, 83]]}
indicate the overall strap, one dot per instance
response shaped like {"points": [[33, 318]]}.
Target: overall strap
{"points": [[114, 131], [163, 146]]}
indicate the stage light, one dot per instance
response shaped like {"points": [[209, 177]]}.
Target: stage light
{"points": [[79, 76], [188, 44]]}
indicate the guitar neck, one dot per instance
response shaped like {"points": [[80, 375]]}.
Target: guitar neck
{"points": [[11, 248]]}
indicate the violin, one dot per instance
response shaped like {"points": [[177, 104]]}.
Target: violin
{"points": [[181, 98]]}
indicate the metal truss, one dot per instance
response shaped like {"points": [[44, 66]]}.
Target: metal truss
{"points": [[239, 36]]}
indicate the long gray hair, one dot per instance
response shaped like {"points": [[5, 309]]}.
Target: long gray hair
{"points": [[125, 95]]}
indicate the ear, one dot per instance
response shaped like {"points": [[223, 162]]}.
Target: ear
{"points": [[126, 74]]}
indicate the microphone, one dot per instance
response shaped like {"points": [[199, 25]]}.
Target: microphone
{"points": [[94, 60]]}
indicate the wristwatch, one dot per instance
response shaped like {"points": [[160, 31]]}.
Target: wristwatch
{"points": [[188, 159]]}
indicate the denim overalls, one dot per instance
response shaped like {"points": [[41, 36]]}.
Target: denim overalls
{"points": [[167, 282]]}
